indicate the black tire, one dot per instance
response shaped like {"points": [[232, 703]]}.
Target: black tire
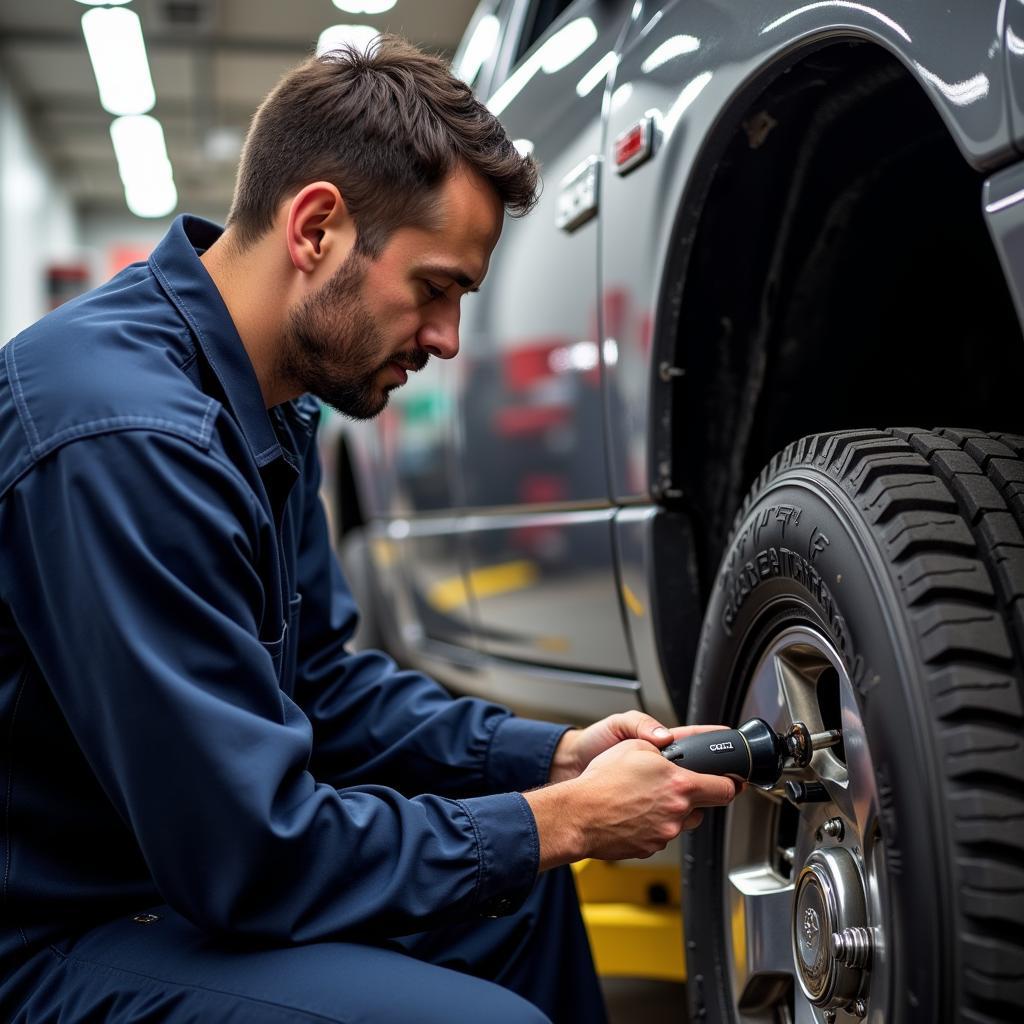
{"points": [[919, 585]]}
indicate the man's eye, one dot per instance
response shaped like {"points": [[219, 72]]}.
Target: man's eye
{"points": [[433, 291]]}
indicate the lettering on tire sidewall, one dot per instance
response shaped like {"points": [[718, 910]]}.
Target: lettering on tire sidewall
{"points": [[800, 548], [793, 544]]}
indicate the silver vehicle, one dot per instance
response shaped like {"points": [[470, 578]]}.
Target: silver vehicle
{"points": [[668, 470]]}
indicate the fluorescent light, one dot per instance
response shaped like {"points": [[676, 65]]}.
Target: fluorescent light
{"points": [[566, 45], [848, 4], [140, 148], [364, 6], [961, 93], [582, 356], [104, 3], [338, 36], [597, 74], [151, 199], [682, 102], [674, 46], [143, 165], [480, 46], [621, 96], [113, 36]]}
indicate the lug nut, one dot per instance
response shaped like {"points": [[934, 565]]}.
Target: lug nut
{"points": [[852, 947], [833, 828], [806, 792]]}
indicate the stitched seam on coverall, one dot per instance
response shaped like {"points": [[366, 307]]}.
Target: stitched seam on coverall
{"points": [[20, 404]]}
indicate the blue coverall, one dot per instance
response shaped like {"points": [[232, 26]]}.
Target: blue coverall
{"points": [[211, 810]]}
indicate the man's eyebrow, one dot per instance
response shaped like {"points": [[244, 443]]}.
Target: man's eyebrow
{"points": [[462, 279]]}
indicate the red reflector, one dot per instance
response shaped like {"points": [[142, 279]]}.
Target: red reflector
{"points": [[634, 145], [629, 144]]}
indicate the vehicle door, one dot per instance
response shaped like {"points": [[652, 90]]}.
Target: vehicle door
{"points": [[407, 457], [533, 457]]}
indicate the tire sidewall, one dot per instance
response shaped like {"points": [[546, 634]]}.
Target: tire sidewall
{"points": [[804, 552]]}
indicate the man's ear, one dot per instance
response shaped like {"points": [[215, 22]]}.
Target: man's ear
{"points": [[319, 227]]}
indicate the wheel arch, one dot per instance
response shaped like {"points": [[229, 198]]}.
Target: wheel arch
{"points": [[681, 449]]}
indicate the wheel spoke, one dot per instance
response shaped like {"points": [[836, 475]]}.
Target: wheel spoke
{"points": [[798, 675], [761, 910], [860, 795], [766, 847], [765, 698]]}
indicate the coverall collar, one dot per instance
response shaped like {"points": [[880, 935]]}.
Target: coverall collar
{"points": [[181, 273]]}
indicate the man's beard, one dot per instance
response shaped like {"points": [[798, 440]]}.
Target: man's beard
{"points": [[334, 349]]}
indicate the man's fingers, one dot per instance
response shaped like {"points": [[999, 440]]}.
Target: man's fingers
{"points": [[714, 791], [637, 725], [693, 820], [682, 731], [711, 790]]}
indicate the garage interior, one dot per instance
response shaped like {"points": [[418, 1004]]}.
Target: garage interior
{"points": [[66, 223]]}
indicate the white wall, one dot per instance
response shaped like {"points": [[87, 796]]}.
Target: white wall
{"points": [[37, 221]]}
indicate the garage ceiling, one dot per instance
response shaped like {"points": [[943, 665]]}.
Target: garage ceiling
{"points": [[212, 61]]}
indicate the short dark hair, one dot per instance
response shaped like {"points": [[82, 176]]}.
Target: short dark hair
{"points": [[385, 126]]}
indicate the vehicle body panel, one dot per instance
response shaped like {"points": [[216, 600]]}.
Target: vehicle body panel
{"points": [[1003, 203], [696, 92], [529, 569], [1013, 49], [530, 394], [544, 470]]}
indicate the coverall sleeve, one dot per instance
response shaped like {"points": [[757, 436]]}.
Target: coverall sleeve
{"points": [[143, 614], [372, 721]]}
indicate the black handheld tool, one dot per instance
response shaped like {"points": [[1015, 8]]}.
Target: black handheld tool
{"points": [[754, 752]]}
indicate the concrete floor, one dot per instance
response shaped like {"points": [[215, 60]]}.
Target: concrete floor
{"points": [[636, 1001]]}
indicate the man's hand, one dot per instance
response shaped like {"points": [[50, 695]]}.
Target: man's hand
{"points": [[578, 747], [628, 802]]}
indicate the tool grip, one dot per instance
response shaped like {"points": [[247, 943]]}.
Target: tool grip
{"points": [[722, 752]]}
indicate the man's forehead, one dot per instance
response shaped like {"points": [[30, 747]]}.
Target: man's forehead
{"points": [[458, 241]]}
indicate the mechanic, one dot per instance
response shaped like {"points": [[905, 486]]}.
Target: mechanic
{"points": [[212, 810]]}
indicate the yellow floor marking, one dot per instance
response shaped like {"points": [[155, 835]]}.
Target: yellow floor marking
{"points": [[633, 602], [448, 594]]}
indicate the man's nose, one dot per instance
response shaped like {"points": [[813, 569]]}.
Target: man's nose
{"points": [[440, 335]]}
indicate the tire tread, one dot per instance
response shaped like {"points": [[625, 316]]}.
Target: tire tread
{"points": [[947, 507]]}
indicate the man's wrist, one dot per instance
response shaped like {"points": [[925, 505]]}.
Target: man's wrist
{"points": [[564, 763], [556, 813]]}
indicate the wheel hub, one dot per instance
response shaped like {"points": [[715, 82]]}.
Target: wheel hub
{"points": [[829, 934], [806, 884]]}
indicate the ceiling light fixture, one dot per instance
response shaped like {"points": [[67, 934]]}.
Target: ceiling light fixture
{"points": [[674, 46], [364, 6], [104, 3], [144, 166], [338, 36], [559, 51], [113, 36], [481, 45]]}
